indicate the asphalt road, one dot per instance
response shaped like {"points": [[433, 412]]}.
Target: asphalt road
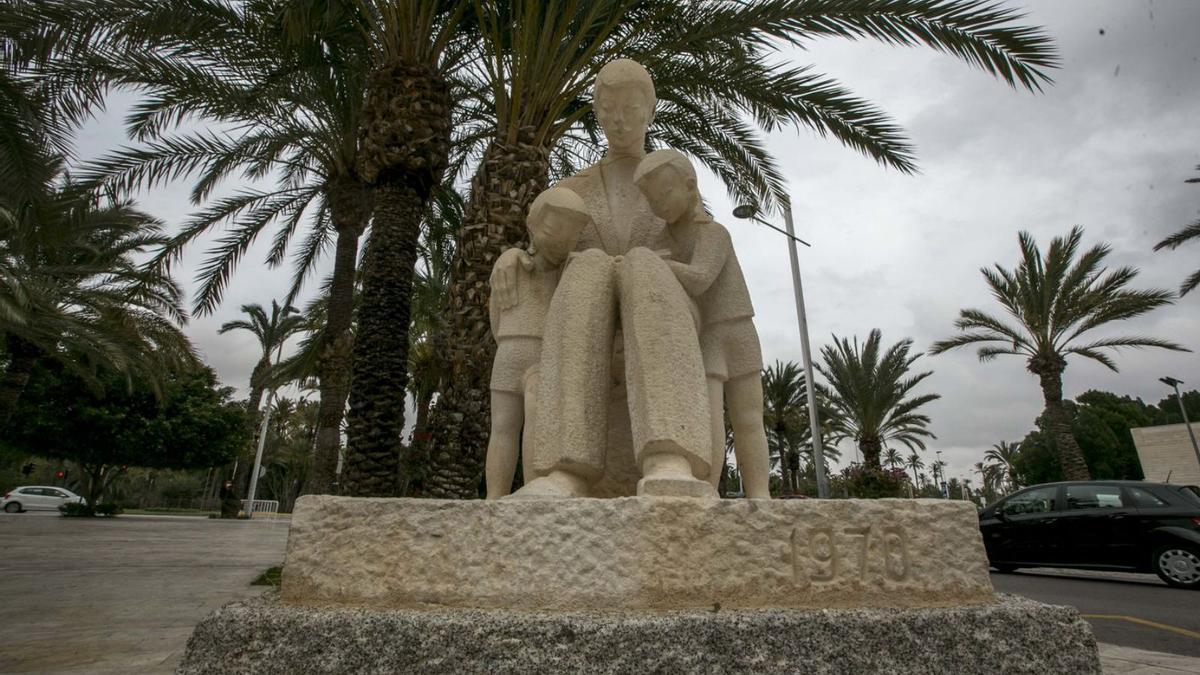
{"points": [[1131, 610]]}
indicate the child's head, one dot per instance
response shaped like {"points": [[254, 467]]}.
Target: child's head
{"points": [[668, 180], [556, 218]]}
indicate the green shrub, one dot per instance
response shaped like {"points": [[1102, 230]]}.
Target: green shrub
{"points": [[272, 576], [78, 510], [863, 482]]}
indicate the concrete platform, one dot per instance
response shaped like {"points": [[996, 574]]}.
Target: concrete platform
{"points": [[635, 554], [1011, 636]]}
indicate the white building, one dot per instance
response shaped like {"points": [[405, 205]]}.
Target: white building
{"points": [[1166, 453]]}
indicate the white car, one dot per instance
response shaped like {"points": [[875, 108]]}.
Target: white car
{"points": [[38, 498]]}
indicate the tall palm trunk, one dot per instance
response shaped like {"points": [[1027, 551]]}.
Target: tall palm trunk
{"points": [[23, 356], [405, 137], [1070, 456], [871, 447], [349, 211], [379, 369], [508, 179]]}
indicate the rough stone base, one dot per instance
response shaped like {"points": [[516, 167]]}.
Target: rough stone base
{"points": [[1015, 635], [635, 553]]}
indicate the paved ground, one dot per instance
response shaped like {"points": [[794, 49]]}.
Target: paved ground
{"points": [[1131, 610], [120, 595]]}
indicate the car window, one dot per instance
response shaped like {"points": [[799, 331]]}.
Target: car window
{"points": [[1189, 492], [1037, 500], [1144, 499], [1094, 497]]}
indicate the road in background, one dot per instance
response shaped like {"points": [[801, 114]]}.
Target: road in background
{"points": [[1131, 610], [120, 595]]}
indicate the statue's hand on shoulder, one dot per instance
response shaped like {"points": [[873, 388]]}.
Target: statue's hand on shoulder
{"points": [[504, 276]]}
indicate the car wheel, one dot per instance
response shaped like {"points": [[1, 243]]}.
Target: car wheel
{"points": [[1178, 565], [12, 507]]}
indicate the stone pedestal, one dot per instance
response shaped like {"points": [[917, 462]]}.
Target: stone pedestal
{"points": [[638, 585], [635, 553], [1012, 636]]}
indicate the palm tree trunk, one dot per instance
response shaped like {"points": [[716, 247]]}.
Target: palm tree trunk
{"points": [[349, 211], [23, 357], [871, 449], [509, 178], [379, 370], [1070, 456]]}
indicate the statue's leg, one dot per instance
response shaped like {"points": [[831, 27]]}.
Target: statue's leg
{"points": [[503, 443], [745, 397], [668, 398], [741, 356], [570, 429], [716, 416]]}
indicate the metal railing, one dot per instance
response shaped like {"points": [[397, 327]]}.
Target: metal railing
{"points": [[267, 507]]}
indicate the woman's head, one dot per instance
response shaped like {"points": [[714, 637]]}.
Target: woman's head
{"points": [[624, 101]]}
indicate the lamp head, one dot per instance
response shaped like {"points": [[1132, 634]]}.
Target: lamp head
{"points": [[1170, 381], [745, 211]]}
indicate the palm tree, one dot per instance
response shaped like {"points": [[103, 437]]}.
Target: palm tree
{"points": [[715, 70], [916, 464], [869, 393], [785, 418], [289, 99], [892, 457], [405, 135], [272, 332], [1054, 299], [1188, 233], [71, 288], [1003, 455]]}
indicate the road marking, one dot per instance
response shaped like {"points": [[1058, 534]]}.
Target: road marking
{"points": [[1145, 622]]}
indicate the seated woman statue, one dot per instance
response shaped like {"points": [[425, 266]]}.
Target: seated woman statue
{"points": [[616, 279]]}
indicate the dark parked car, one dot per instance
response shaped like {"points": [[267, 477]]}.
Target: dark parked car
{"points": [[1130, 526]]}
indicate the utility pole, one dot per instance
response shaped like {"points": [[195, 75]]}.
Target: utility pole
{"points": [[750, 212], [1174, 384]]}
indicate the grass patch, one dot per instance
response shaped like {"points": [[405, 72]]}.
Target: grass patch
{"points": [[270, 577]]}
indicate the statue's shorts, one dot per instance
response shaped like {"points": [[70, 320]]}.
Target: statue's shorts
{"points": [[731, 349], [514, 356]]}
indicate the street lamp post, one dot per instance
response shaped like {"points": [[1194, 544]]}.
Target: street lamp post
{"points": [[1174, 384], [750, 212], [940, 476]]}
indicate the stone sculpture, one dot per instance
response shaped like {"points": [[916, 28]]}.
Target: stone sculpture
{"points": [[728, 340], [620, 277], [620, 333], [556, 218]]}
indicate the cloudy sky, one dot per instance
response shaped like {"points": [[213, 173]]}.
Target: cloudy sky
{"points": [[1107, 146]]}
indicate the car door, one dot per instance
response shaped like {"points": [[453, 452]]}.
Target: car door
{"points": [[1026, 528], [35, 499], [1099, 526]]}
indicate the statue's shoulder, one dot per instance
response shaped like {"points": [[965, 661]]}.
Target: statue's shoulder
{"points": [[581, 180]]}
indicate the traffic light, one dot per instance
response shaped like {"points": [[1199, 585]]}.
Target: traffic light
{"points": [[60, 474], [27, 469]]}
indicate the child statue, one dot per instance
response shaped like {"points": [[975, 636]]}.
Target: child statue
{"points": [[556, 219], [729, 345]]}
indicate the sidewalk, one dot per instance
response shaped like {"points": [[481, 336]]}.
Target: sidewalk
{"points": [[1129, 661]]}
